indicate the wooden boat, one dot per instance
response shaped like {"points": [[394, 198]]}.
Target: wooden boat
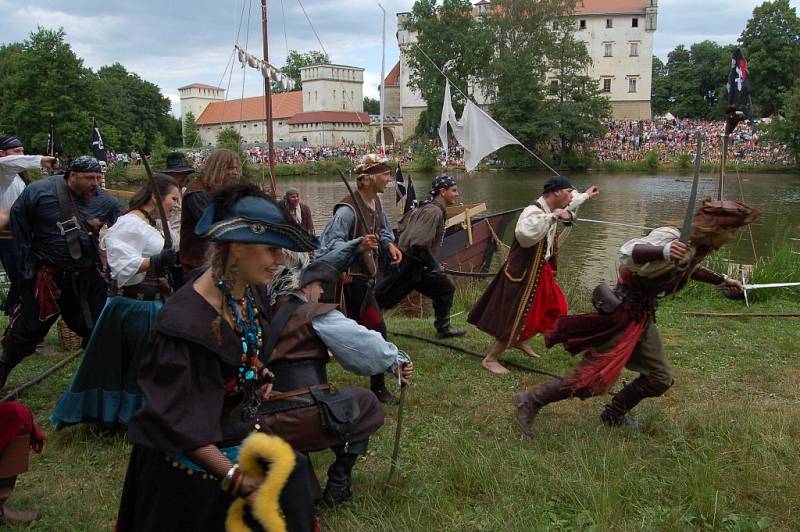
{"points": [[472, 238]]}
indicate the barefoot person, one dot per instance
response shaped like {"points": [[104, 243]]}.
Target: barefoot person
{"points": [[623, 332], [524, 297]]}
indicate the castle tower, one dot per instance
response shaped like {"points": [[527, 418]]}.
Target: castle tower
{"points": [[196, 97], [332, 88]]}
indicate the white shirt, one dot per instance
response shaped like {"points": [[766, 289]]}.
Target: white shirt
{"points": [[657, 237], [11, 184], [128, 242], [535, 223]]}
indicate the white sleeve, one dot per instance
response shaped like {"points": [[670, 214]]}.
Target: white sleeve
{"points": [[532, 225], [578, 198], [11, 165], [657, 237], [124, 251]]}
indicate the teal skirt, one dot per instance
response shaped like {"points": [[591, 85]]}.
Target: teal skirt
{"points": [[104, 388]]}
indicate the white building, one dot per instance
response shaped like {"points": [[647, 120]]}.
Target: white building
{"points": [[619, 38], [328, 110]]}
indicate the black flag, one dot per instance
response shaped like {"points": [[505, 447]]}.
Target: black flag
{"points": [[739, 105], [411, 197], [54, 148], [97, 143]]}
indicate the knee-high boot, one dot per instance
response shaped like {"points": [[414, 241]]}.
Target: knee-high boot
{"points": [[530, 401], [339, 487], [627, 398]]}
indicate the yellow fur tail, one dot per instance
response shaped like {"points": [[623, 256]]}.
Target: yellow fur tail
{"points": [[280, 456]]}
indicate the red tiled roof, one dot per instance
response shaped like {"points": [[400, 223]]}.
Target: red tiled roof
{"points": [[393, 77], [588, 7], [199, 86], [349, 117], [284, 105]]}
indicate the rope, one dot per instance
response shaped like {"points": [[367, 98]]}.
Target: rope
{"points": [[474, 354], [745, 314], [285, 38], [458, 273], [749, 226], [244, 70]]}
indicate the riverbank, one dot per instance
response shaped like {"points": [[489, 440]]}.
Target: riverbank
{"points": [[718, 450], [135, 175]]}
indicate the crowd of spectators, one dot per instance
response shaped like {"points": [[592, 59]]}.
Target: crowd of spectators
{"points": [[631, 140]]}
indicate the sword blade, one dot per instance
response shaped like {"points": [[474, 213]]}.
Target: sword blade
{"points": [[686, 230], [769, 285]]}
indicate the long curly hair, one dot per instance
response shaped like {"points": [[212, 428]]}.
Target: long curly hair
{"points": [[213, 174]]}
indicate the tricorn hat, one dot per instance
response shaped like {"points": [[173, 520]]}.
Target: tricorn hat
{"points": [[319, 270], [254, 220]]}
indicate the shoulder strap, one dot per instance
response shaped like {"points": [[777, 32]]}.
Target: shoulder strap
{"points": [[277, 325], [70, 224]]}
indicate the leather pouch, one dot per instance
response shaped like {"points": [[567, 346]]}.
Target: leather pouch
{"points": [[338, 411], [605, 300]]}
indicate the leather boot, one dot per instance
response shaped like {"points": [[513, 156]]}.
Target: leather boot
{"points": [[377, 384], [11, 356], [627, 398], [339, 488], [441, 309], [7, 515], [530, 401]]}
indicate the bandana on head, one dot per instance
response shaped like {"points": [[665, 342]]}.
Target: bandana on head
{"points": [[372, 163], [10, 142], [441, 182], [290, 191], [84, 163]]}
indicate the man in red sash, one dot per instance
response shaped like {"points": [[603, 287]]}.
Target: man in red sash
{"points": [[623, 332], [524, 297]]}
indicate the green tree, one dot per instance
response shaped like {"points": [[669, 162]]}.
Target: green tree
{"points": [[456, 42], [575, 104], [191, 136], [230, 139], [372, 106], [43, 76], [771, 45], [296, 60], [786, 127], [660, 90], [523, 38]]}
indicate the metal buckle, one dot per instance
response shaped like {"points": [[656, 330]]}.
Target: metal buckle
{"points": [[64, 228]]}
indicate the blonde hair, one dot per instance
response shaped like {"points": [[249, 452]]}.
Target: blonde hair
{"points": [[213, 175], [363, 180]]}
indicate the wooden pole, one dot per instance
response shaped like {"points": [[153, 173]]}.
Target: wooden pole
{"points": [[268, 101], [723, 160], [745, 314]]}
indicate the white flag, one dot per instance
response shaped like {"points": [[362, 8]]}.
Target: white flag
{"points": [[447, 114], [477, 132], [480, 135]]}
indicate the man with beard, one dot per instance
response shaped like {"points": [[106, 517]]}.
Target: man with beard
{"points": [[421, 234], [55, 224], [298, 211]]}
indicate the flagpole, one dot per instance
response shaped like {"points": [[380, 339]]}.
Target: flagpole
{"points": [[383, 78], [484, 112], [723, 160], [268, 102]]}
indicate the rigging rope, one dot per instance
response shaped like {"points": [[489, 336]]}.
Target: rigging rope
{"points": [[244, 69], [285, 38]]}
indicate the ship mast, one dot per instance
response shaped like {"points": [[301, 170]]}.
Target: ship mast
{"points": [[268, 101]]}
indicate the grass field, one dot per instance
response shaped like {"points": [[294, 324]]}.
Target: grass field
{"points": [[718, 452]]}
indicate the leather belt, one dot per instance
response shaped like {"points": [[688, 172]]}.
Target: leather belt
{"points": [[300, 374], [294, 393]]}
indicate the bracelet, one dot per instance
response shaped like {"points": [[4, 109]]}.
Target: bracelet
{"points": [[225, 484]]}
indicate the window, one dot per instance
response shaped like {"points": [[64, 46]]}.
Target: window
{"points": [[554, 84], [609, 23], [555, 26], [634, 22], [606, 85], [609, 49], [582, 24], [334, 94], [631, 84], [634, 49]]}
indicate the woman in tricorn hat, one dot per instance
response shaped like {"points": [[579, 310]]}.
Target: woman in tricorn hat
{"points": [[202, 378]]}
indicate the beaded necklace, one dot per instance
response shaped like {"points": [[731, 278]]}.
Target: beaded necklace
{"points": [[251, 336]]}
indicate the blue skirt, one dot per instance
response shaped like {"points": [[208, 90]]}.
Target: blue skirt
{"points": [[104, 388]]}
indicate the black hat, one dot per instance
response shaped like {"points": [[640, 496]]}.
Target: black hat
{"points": [[9, 142], [319, 270], [254, 220], [176, 163], [556, 183]]}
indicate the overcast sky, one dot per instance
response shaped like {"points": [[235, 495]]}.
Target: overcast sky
{"points": [[177, 42]]}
